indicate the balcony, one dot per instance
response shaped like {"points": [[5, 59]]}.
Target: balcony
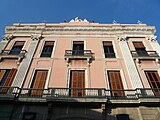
{"points": [[12, 54], [79, 54], [74, 95], [145, 55]]}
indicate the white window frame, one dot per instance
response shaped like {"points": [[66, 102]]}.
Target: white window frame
{"points": [[69, 72], [149, 69], [85, 45], [25, 42], [53, 51], [138, 40], [114, 48], [124, 83], [47, 80]]}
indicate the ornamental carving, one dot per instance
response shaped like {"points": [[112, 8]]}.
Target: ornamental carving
{"points": [[7, 37], [36, 37]]}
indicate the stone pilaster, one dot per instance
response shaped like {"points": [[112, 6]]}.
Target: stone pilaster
{"points": [[26, 62], [129, 62]]}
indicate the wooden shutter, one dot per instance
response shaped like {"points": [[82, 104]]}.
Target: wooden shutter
{"points": [[19, 43], [49, 43], [39, 82], [154, 81], [115, 83], [9, 79], [77, 81], [107, 43], [78, 42], [2, 72], [138, 45]]}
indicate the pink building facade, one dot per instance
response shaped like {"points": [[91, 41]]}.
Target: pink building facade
{"points": [[79, 70]]}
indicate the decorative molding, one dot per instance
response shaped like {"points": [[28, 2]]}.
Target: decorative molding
{"points": [[122, 38], [118, 27], [78, 20], [7, 37], [139, 22], [114, 22], [36, 37], [152, 38]]}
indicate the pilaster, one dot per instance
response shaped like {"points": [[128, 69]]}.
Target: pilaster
{"points": [[129, 62], [25, 64]]}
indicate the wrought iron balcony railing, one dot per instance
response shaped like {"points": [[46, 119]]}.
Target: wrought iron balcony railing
{"points": [[12, 54], [79, 93], [79, 53], [145, 54]]}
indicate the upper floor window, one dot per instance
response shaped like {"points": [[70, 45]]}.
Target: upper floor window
{"points": [[154, 81], [38, 82], [140, 49], [17, 47], [6, 78], [47, 49], [78, 48], [108, 49], [115, 83]]}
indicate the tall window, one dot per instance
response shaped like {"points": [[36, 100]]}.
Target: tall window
{"points": [[77, 80], [17, 47], [140, 49], [115, 83], [154, 81], [39, 81], [6, 78], [47, 49], [78, 48], [108, 49]]}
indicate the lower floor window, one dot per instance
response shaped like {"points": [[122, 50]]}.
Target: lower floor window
{"points": [[29, 116], [122, 117]]}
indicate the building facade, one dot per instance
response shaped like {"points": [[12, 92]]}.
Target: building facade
{"points": [[79, 70]]}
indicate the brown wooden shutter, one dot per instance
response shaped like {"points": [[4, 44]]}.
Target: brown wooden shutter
{"points": [[77, 81], [49, 43], [39, 82], [115, 83], [138, 45], [78, 42], [19, 43], [9, 79], [2, 72], [154, 81], [107, 43]]}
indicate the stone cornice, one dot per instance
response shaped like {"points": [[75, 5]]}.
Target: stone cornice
{"points": [[111, 28], [7, 37]]}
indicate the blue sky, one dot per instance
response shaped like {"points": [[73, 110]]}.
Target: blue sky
{"points": [[101, 11]]}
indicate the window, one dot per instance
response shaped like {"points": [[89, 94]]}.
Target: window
{"points": [[122, 117], [17, 47], [115, 83], [6, 78], [29, 116], [47, 49], [154, 81], [78, 48], [77, 80], [39, 81], [108, 49], [140, 49]]}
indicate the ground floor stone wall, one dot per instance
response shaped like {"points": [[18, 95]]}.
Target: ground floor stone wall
{"points": [[45, 111]]}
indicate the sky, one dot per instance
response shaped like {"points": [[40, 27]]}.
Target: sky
{"points": [[101, 11]]}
